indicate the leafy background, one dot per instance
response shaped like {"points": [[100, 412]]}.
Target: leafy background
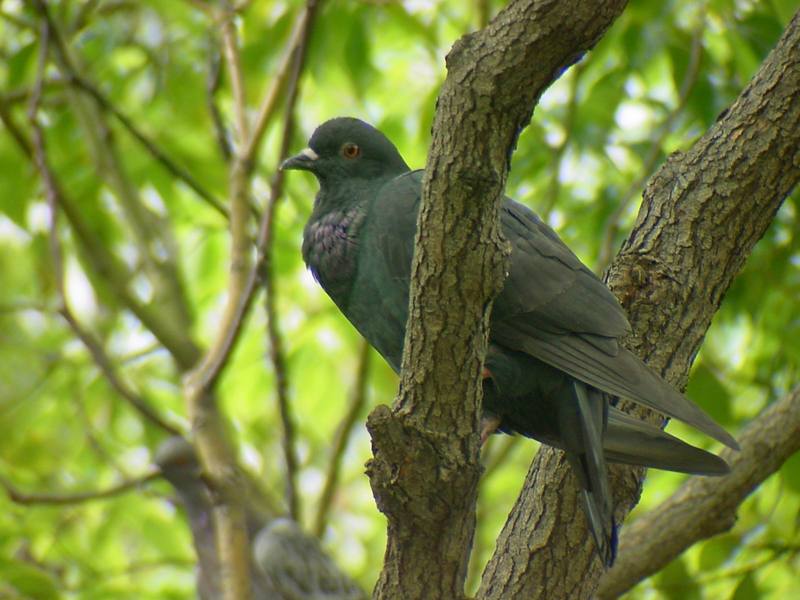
{"points": [[652, 86]]}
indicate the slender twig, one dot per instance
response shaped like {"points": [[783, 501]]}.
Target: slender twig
{"points": [[215, 451], [213, 83], [109, 268], [358, 399], [99, 580], [230, 334], [16, 132], [22, 94], [148, 228], [92, 440], [106, 366], [73, 76], [230, 47], [612, 229], [19, 497], [81, 19], [297, 44], [24, 305], [266, 244], [16, 20]]}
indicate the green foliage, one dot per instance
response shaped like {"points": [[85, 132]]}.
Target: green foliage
{"points": [[598, 133]]}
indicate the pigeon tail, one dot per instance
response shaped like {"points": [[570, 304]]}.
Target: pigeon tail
{"points": [[633, 442], [583, 424]]}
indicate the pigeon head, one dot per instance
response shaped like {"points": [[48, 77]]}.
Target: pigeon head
{"points": [[347, 148]]}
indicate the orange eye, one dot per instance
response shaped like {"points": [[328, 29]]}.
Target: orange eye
{"points": [[351, 150]]}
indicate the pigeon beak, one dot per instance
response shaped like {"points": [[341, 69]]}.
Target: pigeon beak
{"points": [[304, 161]]}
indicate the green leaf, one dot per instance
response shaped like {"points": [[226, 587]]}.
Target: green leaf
{"points": [[707, 390], [28, 580], [675, 581], [747, 589], [717, 551], [790, 472], [21, 64], [357, 55]]}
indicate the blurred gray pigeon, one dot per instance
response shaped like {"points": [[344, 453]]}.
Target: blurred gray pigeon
{"points": [[301, 571]]}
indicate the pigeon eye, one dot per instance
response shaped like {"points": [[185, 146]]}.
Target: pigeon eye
{"points": [[351, 150]]}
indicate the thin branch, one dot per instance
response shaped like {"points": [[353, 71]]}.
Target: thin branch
{"points": [[230, 334], [16, 132], [19, 497], [213, 83], [654, 151], [298, 43], [704, 507], [216, 452], [22, 94], [266, 245], [72, 76], [92, 440], [106, 366], [230, 46], [358, 400], [215, 449], [16, 20]]}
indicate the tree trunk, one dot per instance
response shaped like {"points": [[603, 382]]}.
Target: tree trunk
{"points": [[425, 469]]}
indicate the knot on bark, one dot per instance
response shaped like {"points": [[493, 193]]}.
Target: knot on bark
{"points": [[417, 476]]}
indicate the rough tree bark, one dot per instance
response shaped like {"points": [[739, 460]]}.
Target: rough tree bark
{"points": [[425, 469], [702, 213]]}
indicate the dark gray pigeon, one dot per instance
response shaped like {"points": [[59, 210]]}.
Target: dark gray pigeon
{"points": [[554, 358]]}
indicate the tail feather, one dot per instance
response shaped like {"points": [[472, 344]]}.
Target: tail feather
{"points": [[631, 441], [583, 441]]}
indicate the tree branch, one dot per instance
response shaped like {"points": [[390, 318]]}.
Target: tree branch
{"points": [[294, 61], [703, 211], [215, 450], [425, 472], [230, 48], [704, 507], [20, 497]]}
